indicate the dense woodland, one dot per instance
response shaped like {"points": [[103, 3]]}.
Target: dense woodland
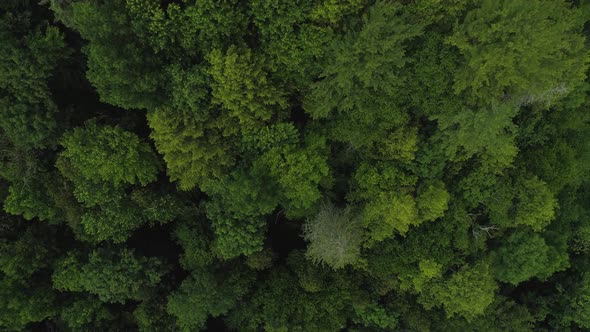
{"points": [[294, 165]]}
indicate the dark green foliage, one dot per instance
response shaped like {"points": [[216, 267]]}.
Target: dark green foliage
{"points": [[530, 51], [84, 312], [298, 310], [124, 72], [360, 82], [114, 276], [326, 165], [23, 304], [521, 257], [208, 292], [30, 52]]}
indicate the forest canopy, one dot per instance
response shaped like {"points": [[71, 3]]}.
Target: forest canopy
{"points": [[303, 165]]}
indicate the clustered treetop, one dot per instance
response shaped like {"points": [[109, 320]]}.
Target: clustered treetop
{"points": [[301, 165]]}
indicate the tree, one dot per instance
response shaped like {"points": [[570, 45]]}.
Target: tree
{"points": [[124, 72], [359, 86], [193, 151], [577, 309], [24, 303], [293, 38], [385, 192], [195, 242], [520, 257], [103, 162], [506, 55], [196, 140], [432, 201], [488, 133], [174, 30], [242, 88], [30, 53], [237, 210], [26, 252], [300, 169], [527, 202], [468, 292], [535, 204], [85, 312], [113, 275], [335, 236], [208, 292], [109, 154], [30, 252], [297, 310]]}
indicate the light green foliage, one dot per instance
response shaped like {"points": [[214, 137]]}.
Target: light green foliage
{"points": [[520, 257], [535, 204], [432, 201], [241, 87], [468, 292], [527, 50], [197, 141], [207, 293], [388, 206], [336, 10], [114, 276], [388, 213], [193, 151], [149, 22], [429, 269], [335, 237], [527, 202], [397, 145], [109, 154], [300, 173]]}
